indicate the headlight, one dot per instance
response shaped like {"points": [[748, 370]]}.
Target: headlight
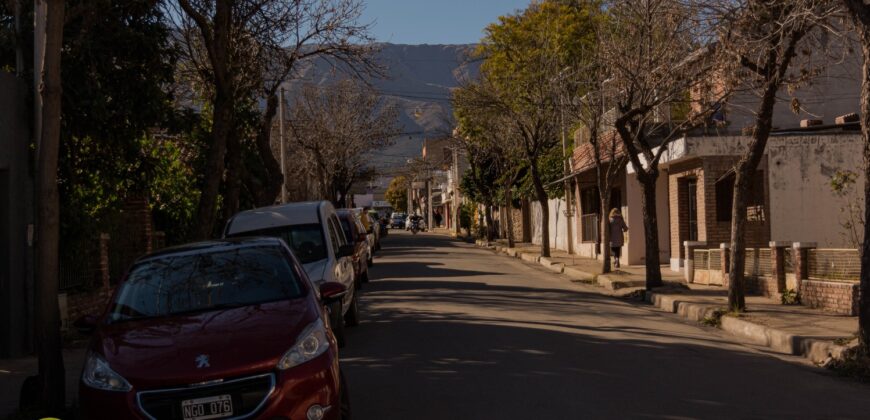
{"points": [[97, 374], [312, 342]]}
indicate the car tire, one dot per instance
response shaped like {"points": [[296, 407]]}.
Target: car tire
{"points": [[336, 322], [351, 318], [343, 397]]}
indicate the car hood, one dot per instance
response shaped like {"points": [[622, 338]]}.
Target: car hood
{"points": [[161, 352], [316, 270]]}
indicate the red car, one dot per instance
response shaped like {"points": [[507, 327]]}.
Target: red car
{"points": [[223, 329]]}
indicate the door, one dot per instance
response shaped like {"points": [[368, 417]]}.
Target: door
{"points": [[692, 198]]}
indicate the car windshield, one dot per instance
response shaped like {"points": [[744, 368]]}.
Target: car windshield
{"points": [[202, 281], [306, 241]]}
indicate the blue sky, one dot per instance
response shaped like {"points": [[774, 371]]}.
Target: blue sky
{"points": [[435, 21]]}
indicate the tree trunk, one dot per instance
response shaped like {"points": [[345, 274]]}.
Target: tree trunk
{"points": [[233, 187], [541, 194], [207, 210], [651, 229], [47, 322], [273, 181], [490, 229], [743, 174], [604, 194], [509, 205]]}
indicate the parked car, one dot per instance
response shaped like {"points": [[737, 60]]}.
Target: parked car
{"points": [[313, 232], [356, 234], [371, 232], [227, 328]]}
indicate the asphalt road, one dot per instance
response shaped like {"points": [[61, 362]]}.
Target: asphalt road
{"points": [[450, 331]]}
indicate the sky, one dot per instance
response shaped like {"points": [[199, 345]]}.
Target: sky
{"points": [[435, 21]]}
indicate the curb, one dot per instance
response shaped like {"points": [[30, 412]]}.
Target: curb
{"points": [[779, 341], [815, 350]]}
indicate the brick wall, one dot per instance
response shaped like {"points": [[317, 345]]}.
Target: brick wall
{"points": [[835, 297], [762, 285]]}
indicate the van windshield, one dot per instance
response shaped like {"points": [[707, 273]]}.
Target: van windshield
{"points": [[306, 241], [202, 281]]}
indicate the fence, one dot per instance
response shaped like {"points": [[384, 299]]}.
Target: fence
{"points": [[834, 264]]}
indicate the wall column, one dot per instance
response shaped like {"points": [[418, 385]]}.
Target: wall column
{"points": [[801, 267], [777, 263], [689, 267]]}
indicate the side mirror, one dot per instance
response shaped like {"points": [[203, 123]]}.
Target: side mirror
{"points": [[331, 292], [345, 251], [86, 324]]}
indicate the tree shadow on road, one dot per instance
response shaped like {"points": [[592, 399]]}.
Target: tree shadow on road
{"points": [[408, 364]]}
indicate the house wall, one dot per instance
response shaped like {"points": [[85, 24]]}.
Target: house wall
{"points": [[558, 224], [833, 93], [706, 171], [634, 251], [803, 205]]}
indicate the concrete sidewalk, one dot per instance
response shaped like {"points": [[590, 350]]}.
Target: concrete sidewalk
{"points": [[13, 372], [793, 329]]}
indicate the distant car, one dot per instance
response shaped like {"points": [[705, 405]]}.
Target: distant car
{"points": [[313, 232], [397, 222], [219, 329], [356, 234]]}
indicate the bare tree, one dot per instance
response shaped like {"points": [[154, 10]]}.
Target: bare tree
{"points": [[656, 55], [762, 41], [340, 126], [598, 139], [47, 317], [860, 14], [243, 50]]}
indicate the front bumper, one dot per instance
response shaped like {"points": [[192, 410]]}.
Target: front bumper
{"points": [[295, 390]]}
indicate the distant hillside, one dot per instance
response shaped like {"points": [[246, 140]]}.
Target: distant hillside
{"points": [[419, 81]]}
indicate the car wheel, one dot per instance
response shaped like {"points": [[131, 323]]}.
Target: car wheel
{"points": [[343, 397], [351, 318], [336, 322]]}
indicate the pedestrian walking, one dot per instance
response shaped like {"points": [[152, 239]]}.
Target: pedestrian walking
{"points": [[617, 237]]}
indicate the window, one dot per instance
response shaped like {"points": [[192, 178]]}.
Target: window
{"points": [[334, 235], [590, 208], [196, 282], [590, 202], [306, 241], [754, 201]]}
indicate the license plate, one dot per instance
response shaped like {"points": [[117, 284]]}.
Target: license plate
{"points": [[207, 408]]}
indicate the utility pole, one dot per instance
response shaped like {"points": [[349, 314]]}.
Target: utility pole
{"points": [[429, 199], [283, 146], [566, 170]]}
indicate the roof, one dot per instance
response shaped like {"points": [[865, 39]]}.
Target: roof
{"points": [[281, 215], [584, 157], [211, 246]]}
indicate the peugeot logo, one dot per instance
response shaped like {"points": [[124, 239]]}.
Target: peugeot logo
{"points": [[202, 361]]}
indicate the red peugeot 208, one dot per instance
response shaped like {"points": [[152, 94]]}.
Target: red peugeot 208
{"points": [[213, 330]]}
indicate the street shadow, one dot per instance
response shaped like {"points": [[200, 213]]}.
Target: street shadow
{"points": [[409, 364], [417, 269]]}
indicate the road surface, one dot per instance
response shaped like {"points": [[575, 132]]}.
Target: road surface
{"points": [[451, 331]]}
